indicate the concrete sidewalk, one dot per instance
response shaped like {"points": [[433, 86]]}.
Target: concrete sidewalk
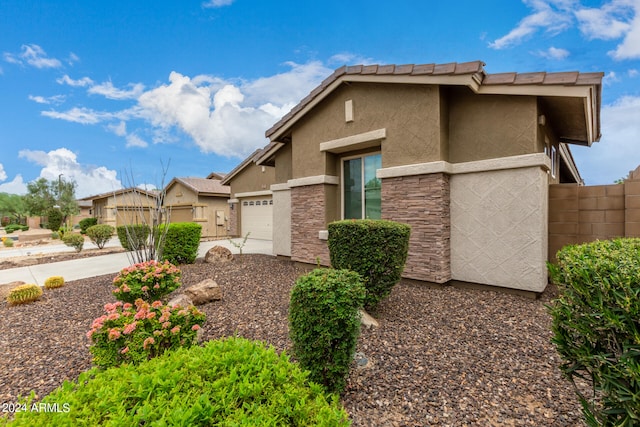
{"points": [[112, 263]]}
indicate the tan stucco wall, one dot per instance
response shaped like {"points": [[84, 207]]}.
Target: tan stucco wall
{"points": [[253, 178], [409, 113], [208, 206], [282, 222], [283, 167], [178, 194], [491, 126], [499, 228]]}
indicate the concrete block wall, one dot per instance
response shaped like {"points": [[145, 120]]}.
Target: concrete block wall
{"points": [[579, 214]]}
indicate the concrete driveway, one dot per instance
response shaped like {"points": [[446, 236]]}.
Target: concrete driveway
{"points": [[104, 264]]}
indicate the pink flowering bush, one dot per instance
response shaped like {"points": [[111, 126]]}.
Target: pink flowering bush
{"points": [[133, 333], [150, 280]]}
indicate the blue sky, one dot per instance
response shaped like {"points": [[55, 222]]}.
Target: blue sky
{"points": [[106, 92]]}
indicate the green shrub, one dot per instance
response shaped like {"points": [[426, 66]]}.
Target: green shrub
{"points": [[135, 333], [376, 249], [324, 324], [76, 241], [230, 382], [54, 282], [24, 294], [100, 234], [7, 242], [133, 237], [149, 280], [181, 242], [54, 219], [86, 223], [596, 326], [14, 227]]}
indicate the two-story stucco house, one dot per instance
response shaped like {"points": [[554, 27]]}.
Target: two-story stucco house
{"points": [[463, 156]]}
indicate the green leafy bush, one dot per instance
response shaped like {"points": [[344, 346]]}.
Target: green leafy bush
{"points": [[75, 240], [181, 242], [85, 223], [596, 326], [135, 333], [54, 219], [230, 382], [149, 280], [376, 249], [24, 294], [54, 282], [14, 227], [7, 242], [324, 324], [100, 234], [133, 237]]}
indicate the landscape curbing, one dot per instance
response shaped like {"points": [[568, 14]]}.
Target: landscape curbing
{"points": [[112, 263]]}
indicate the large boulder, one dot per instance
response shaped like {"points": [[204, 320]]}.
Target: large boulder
{"points": [[218, 254], [180, 300], [206, 291]]}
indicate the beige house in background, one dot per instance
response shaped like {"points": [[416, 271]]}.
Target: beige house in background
{"points": [[251, 202], [465, 157], [200, 200], [124, 206]]}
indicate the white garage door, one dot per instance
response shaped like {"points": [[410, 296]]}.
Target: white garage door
{"points": [[257, 217]]}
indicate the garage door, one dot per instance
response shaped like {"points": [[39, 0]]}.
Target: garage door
{"points": [[256, 217]]}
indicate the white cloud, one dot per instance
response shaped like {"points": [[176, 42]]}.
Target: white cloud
{"points": [[217, 3], [3, 174], [90, 179], [224, 117], [617, 152], [554, 53], [36, 56], [16, 186], [615, 19], [633, 73], [610, 78], [56, 99], [107, 90], [84, 81], [607, 23], [630, 46], [551, 15], [134, 140], [85, 116]]}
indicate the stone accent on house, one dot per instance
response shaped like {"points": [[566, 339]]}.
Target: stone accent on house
{"points": [[422, 201], [307, 218], [234, 214]]}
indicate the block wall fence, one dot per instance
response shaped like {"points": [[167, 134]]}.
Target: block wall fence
{"points": [[579, 214]]}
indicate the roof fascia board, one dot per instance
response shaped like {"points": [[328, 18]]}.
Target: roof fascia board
{"points": [[537, 90], [263, 158], [566, 155]]}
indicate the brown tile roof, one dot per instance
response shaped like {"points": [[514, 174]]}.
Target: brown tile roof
{"points": [[204, 185], [450, 69]]}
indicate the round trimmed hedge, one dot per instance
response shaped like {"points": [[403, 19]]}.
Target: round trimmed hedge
{"points": [[228, 382]]}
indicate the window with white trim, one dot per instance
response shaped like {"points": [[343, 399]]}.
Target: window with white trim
{"points": [[361, 190]]}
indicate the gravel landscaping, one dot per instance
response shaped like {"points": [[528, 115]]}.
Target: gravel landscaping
{"points": [[441, 357]]}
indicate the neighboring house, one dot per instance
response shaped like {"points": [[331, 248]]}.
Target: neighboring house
{"points": [[124, 207], [200, 200], [463, 156], [251, 202]]}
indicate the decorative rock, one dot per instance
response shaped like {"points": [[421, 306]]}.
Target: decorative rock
{"points": [[367, 320], [181, 299], [218, 254], [206, 291]]}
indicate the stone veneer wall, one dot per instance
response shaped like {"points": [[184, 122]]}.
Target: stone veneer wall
{"points": [[422, 201], [234, 213], [307, 219]]}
